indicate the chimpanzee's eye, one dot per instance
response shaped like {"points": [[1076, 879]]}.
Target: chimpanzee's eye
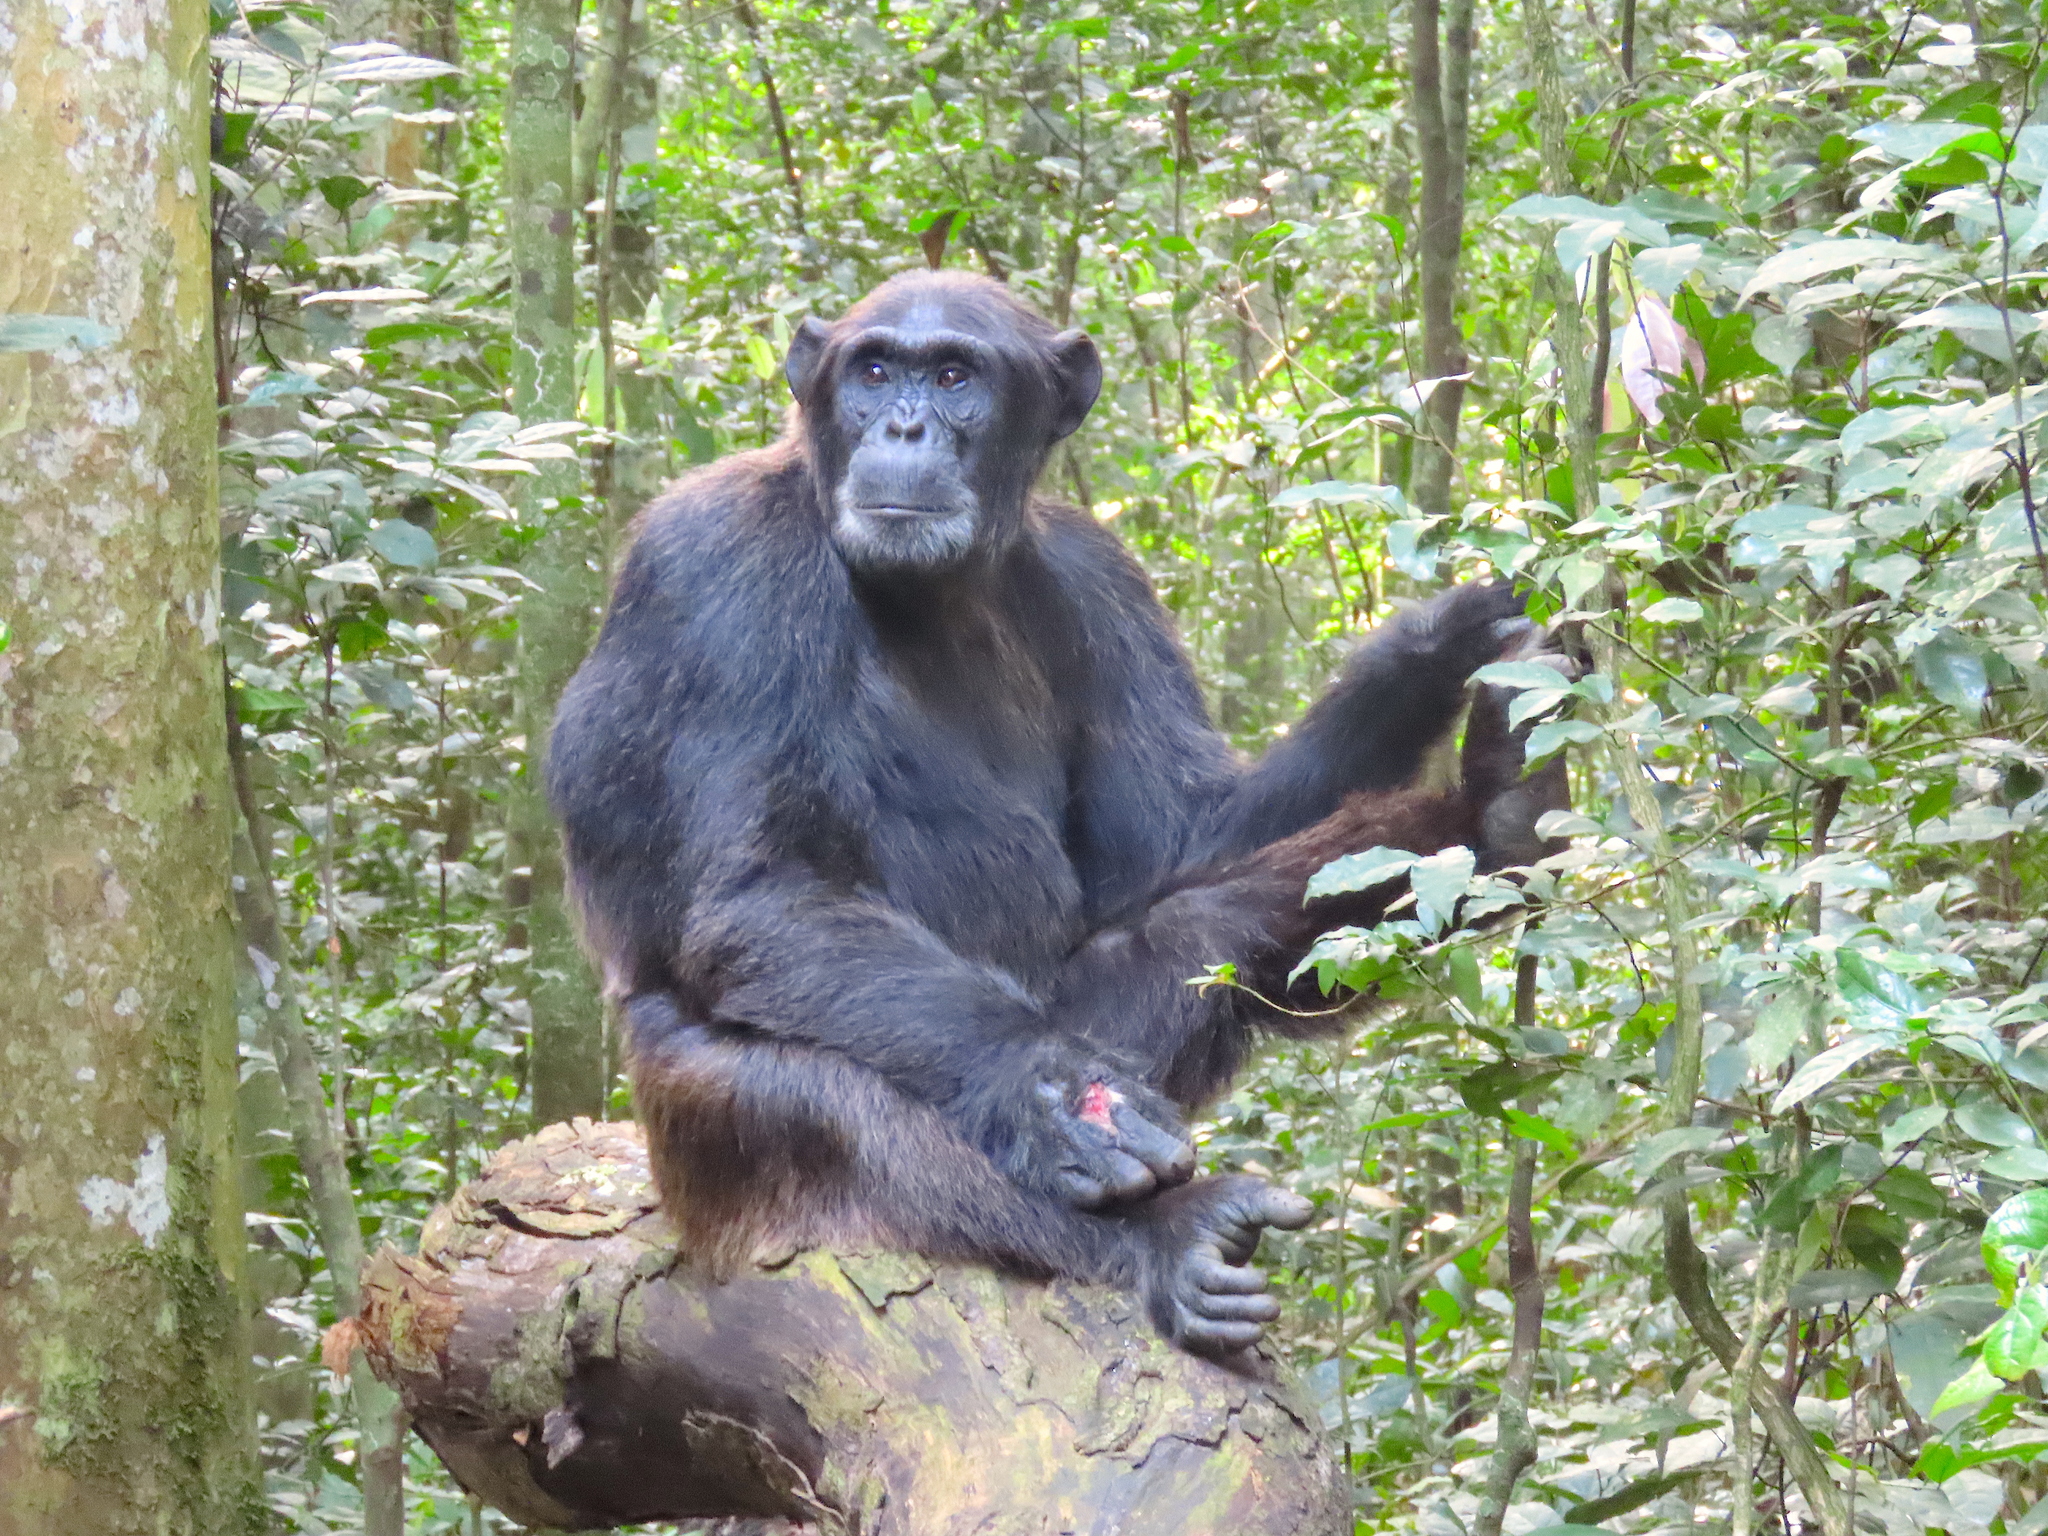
{"points": [[875, 373], [952, 376]]}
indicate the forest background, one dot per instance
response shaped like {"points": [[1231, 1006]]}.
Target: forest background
{"points": [[1715, 324]]}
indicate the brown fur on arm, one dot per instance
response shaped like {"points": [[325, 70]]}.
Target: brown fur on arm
{"points": [[1277, 875]]}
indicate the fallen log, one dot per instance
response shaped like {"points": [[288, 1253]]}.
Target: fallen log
{"points": [[569, 1374]]}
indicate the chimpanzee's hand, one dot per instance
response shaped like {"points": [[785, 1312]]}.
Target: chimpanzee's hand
{"points": [[1081, 1130], [1463, 629]]}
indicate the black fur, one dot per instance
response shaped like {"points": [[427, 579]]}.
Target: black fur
{"points": [[898, 826]]}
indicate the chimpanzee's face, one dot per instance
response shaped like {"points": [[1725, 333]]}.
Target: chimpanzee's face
{"points": [[930, 411]]}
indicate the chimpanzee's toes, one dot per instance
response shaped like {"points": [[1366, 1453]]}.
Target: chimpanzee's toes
{"points": [[1212, 1301]]}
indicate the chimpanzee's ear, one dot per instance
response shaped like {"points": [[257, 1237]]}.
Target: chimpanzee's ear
{"points": [[805, 348], [1077, 377]]}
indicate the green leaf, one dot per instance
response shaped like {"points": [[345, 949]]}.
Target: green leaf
{"points": [[1911, 142], [1953, 672], [1662, 270], [266, 708], [2016, 1232], [1536, 1128], [1519, 675], [1334, 491], [1873, 991], [1488, 1090], [1403, 1121], [1581, 240], [1909, 1193], [1778, 1028], [1835, 1287], [1823, 1171], [1667, 1144], [1974, 1385], [1538, 206], [1633, 1496], [1552, 735], [410, 330], [1826, 1067], [1993, 1124], [343, 192], [358, 573], [762, 356], [1462, 970], [1361, 871], [357, 638], [1440, 882], [1927, 1353], [1803, 263], [2013, 1346], [1673, 610], [2018, 1165], [404, 543]]}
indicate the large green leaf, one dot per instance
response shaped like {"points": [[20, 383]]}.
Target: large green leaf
{"points": [[2016, 1232], [1833, 1287], [1953, 671], [2013, 1346], [1361, 871], [1803, 263], [1827, 1066]]}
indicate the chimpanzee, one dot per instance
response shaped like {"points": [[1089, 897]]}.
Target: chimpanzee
{"points": [[898, 828]]}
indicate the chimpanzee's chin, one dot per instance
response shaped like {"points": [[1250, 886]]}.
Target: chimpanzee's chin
{"points": [[882, 540]]}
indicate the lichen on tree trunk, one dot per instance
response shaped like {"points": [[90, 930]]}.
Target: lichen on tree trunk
{"points": [[569, 1372], [124, 1402]]}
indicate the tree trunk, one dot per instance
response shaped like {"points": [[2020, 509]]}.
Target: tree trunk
{"points": [[568, 1375], [567, 1066], [124, 1395], [1440, 70], [619, 128]]}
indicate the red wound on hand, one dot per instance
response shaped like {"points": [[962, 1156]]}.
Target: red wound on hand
{"points": [[1096, 1101]]}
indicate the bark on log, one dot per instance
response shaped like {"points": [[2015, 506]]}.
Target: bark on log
{"points": [[568, 1373]]}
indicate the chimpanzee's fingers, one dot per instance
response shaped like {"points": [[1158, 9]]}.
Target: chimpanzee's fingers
{"points": [[1169, 1156], [1218, 1278], [1235, 1307], [1284, 1209], [1081, 1191], [1205, 1337], [1125, 1178]]}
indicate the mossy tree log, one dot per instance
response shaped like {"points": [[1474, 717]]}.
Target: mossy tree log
{"points": [[570, 1374]]}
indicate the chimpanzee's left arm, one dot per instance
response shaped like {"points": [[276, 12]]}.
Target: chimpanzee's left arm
{"points": [[1157, 791], [1197, 861]]}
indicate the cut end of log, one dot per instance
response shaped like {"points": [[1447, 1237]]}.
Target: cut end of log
{"points": [[572, 1373]]}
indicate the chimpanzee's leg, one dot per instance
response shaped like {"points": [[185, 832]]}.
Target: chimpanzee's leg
{"points": [[762, 1146]]}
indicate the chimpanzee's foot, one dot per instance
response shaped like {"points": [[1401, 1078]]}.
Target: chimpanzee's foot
{"points": [[1202, 1292]]}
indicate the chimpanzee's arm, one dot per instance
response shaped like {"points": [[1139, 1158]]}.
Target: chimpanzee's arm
{"points": [[1127, 987], [1396, 697], [1158, 792]]}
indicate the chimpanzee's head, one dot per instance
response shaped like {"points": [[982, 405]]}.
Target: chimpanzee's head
{"points": [[928, 411]]}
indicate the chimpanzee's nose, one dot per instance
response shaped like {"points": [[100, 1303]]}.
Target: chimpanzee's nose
{"points": [[911, 431]]}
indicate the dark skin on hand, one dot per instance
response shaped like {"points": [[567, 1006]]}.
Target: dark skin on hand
{"points": [[898, 827]]}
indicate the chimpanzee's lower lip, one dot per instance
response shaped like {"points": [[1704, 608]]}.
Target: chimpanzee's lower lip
{"points": [[899, 511]]}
